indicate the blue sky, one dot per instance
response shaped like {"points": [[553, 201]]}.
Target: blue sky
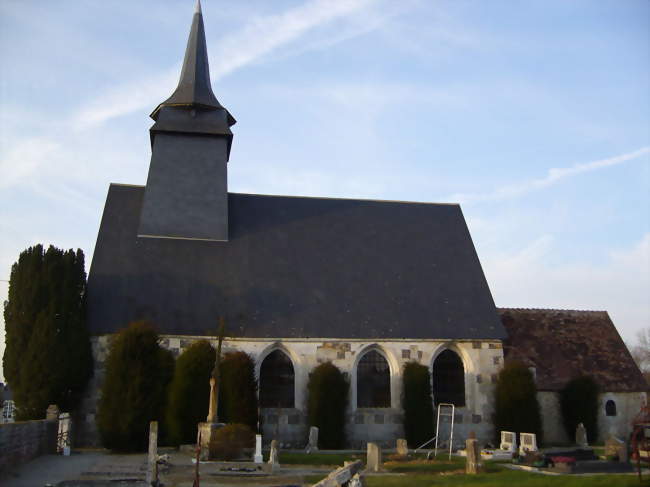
{"points": [[535, 116]]}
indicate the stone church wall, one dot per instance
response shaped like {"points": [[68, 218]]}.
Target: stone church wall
{"points": [[481, 359], [628, 405]]}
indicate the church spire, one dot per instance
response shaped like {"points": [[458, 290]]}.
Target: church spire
{"points": [[194, 89]]}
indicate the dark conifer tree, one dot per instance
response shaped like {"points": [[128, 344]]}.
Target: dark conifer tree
{"points": [[327, 399], [418, 404], [516, 407], [189, 392], [47, 359], [579, 404], [238, 390], [134, 392]]}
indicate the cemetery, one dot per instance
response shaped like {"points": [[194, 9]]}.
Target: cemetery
{"points": [[225, 349]]}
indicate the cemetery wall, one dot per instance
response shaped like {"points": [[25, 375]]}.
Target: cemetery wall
{"points": [[482, 361], [628, 405], [24, 440]]}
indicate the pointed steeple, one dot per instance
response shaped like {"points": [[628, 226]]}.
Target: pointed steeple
{"points": [[194, 89]]}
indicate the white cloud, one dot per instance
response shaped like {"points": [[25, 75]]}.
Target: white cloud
{"points": [[553, 176], [255, 40], [620, 284]]}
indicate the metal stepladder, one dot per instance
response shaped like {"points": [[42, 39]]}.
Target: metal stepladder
{"points": [[445, 410]]}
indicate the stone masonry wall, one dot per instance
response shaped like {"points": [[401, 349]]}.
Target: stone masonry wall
{"points": [[22, 441], [628, 405], [482, 361]]}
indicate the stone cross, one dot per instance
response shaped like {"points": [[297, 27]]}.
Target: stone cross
{"points": [[373, 460], [581, 435], [213, 416], [258, 449], [152, 459], [313, 439], [473, 465], [402, 447], [273, 455]]}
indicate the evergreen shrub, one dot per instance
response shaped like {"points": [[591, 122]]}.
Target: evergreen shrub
{"points": [[47, 359], [228, 442], [579, 404], [238, 390], [134, 392], [327, 400], [516, 406], [418, 404], [189, 392]]}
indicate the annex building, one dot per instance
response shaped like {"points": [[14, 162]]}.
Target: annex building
{"points": [[368, 285]]}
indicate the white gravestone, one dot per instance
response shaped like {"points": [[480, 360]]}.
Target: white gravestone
{"points": [[65, 434], [508, 441], [528, 443], [273, 456], [152, 460], [581, 435], [313, 439], [258, 450]]}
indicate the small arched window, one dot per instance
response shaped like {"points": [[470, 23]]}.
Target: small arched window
{"points": [[449, 379], [277, 381], [373, 381], [610, 408]]}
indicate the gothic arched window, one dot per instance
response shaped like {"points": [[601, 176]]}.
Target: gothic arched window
{"points": [[449, 379], [610, 408], [373, 381], [277, 381]]}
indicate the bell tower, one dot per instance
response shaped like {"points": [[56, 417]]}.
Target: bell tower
{"points": [[186, 196]]}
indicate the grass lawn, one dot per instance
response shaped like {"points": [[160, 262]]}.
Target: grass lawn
{"points": [[335, 459], [443, 472], [503, 477]]}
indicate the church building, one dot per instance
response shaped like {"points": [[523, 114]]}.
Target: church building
{"points": [[366, 284]]}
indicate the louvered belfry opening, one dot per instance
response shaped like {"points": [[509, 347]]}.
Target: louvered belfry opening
{"points": [[373, 381], [277, 381]]}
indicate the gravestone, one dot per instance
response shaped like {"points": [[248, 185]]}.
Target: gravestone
{"points": [[617, 448], [473, 465], [152, 459], [64, 438], [402, 447], [581, 435], [508, 441], [373, 459], [257, 458], [313, 440], [52, 412], [528, 443], [274, 460]]}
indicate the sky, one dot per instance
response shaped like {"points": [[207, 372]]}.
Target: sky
{"points": [[534, 116]]}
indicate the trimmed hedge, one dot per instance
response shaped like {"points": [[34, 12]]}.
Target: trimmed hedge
{"points": [[579, 404], [228, 442], [516, 406], [189, 392], [417, 402], [327, 400], [138, 371], [238, 390]]}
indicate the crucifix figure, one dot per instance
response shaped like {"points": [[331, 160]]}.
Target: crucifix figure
{"points": [[214, 379]]}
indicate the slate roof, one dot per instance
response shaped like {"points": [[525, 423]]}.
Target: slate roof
{"points": [[562, 344], [296, 267]]}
